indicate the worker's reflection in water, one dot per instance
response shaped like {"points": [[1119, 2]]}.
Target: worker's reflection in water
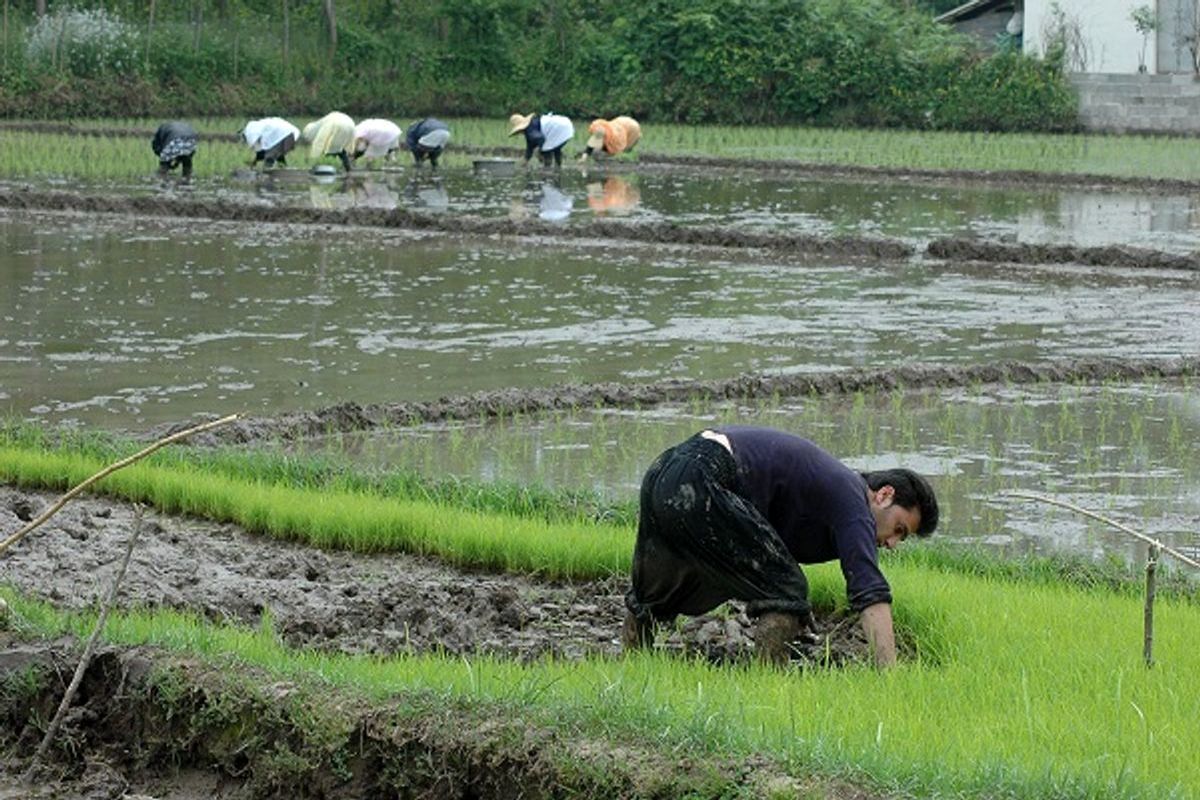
{"points": [[426, 193], [613, 195], [553, 203], [352, 191]]}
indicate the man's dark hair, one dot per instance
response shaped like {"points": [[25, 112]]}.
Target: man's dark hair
{"points": [[912, 491]]}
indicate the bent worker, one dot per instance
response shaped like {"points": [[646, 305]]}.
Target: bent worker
{"points": [[612, 136], [547, 134], [271, 139], [729, 513], [331, 135], [426, 138], [375, 138], [175, 143]]}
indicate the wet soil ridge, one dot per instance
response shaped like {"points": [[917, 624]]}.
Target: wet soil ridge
{"points": [[948, 249], [653, 232], [1014, 178], [151, 723], [379, 604], [962, 249], [350, 416]]}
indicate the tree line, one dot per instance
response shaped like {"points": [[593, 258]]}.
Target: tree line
{"points": [[824, 62]]}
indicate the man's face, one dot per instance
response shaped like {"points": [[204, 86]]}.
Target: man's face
{"points": [[893, 523]]}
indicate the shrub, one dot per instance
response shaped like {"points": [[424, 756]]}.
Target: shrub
{"points": [[1008, 92], [82, 42]]}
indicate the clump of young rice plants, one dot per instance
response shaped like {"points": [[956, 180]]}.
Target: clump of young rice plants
{"points": [[91, 158], [1122, 156], [1024, 690]]}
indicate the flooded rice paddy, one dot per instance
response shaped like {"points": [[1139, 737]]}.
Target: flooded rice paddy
{"points": [[125, 324], [1125, 450], [913, 211]]}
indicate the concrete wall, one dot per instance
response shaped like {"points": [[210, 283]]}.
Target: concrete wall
{"points": [[1112, 43], [1139, 103]]}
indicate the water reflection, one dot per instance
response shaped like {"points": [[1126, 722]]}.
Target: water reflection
{"points": [[614, 195], [352, 191], [1100, 219], [427, 193], [554, 205], [914, 212]]}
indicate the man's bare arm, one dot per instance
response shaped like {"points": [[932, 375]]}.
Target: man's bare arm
{"points": [[877, 625]]}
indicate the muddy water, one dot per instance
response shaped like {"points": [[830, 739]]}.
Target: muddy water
{"points": [[125, 324], [1123, 450], [914, 211]]}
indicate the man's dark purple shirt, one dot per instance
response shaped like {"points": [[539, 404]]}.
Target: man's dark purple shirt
{"points": [[816, 504]]}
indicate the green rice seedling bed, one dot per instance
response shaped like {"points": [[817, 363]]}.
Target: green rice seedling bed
{"points": [[1016, 690], [1120, 449], [344, 519], [1101, 154]]}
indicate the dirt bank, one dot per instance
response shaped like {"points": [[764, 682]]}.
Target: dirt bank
{"points": [[346, 602], [960, 249], [349, 417], [152, 725], [1003, 178], [664, 233], [654, 232]]}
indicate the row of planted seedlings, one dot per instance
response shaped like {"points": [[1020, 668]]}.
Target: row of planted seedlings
{"points": [[1124, 156], [1017, 681], [1120, 447], [28, 155]]}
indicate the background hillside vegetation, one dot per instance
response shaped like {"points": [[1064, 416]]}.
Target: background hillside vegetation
{"points": [[825, 62]]}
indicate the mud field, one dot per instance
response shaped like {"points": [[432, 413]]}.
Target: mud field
{"points": [[381, 604], [330, 601], [667, 233]]}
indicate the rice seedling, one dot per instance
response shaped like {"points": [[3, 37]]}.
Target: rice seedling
{"points": [[1123, 156], [1018, 690], [976, 443]]}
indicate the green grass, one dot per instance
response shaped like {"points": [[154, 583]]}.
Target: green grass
{"points": [[1020, 691], [319, 472], [345, 519], [270, 492], [1015, 684], [1123, 156]]}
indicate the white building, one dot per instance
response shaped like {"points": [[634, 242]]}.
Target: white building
{"points": [[1100, 34]]}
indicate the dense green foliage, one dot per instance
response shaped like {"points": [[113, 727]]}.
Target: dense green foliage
{"points": [[873, 62]]}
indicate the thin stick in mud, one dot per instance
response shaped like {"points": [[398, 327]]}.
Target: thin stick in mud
{"points": [[86, 659], [111, 468]]}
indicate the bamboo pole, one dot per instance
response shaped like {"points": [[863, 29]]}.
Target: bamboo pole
{"points": [[1191, 562], [1156, 549], [125, 462], [86, 659], [1148, 616]]}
